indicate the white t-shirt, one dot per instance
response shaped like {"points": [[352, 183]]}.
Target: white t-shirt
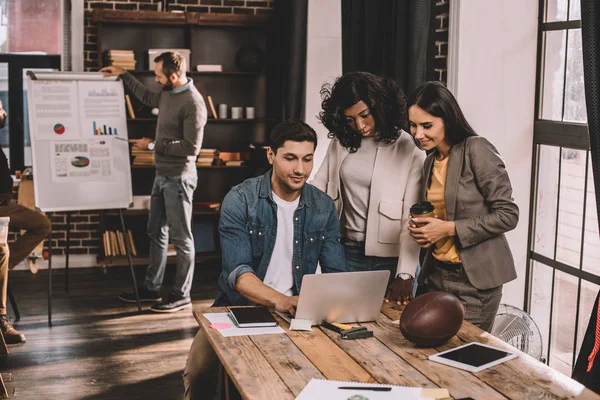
{"points": [[279, 274]]}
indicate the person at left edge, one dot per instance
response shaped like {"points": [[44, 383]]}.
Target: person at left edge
{"points": [[36, 225], [179, 131]]}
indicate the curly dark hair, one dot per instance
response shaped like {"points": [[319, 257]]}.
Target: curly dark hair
{"points": [[383, 96]]}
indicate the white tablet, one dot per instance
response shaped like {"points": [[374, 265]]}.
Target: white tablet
{"points": [[473, 357]]}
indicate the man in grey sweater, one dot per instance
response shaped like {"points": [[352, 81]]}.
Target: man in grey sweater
{"points": [[179, 131]]}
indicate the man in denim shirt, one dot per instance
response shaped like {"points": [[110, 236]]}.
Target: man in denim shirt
{"points": [[274, 229]]}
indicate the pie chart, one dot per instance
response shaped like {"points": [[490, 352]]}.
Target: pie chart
{"points": [[59, 129], [80, 162]]}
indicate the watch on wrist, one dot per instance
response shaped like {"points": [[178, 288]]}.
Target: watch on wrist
{"points": [[151, 146], [404, 276]]}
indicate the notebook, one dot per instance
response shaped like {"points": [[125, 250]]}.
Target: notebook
{"points": [[252, 317], [340, 390]]}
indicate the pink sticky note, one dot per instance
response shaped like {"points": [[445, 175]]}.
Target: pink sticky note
{"points": [[220, 326]]}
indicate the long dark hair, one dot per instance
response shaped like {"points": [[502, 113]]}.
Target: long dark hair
{"points": [[383, 96], [435, 99]]}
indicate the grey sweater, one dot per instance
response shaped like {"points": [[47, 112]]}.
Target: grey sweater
{"points": [[180, 127]]}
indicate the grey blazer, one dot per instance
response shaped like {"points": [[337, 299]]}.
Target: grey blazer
{"points": [[478, 197]]}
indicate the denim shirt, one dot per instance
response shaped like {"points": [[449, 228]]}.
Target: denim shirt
{"points": [[248, 228]]}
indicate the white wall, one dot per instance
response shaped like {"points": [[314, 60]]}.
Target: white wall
{"points": [[492, 67], [323, 62]]}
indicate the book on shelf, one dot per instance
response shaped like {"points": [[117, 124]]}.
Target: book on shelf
{"points": [[129, 106], [119, 58], [236, 163], [207, 205], [212, 107], [209, 68], [227, 156], [114, 243], [142, 157]]}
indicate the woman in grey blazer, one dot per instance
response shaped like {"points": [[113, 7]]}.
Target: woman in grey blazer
{"points": [[372, 171], [464, 250]]}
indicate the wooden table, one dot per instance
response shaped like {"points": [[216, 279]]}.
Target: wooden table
{"points": [[279, 366]]}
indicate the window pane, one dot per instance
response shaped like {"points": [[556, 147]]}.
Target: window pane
{"points": [[564, 311], [575, 10], [556, 10], [31, 25], [547, 194], [570, 213], [589, 291], [554, 70], [574, 90], [4, 138], [591, 240], [540, 301]]}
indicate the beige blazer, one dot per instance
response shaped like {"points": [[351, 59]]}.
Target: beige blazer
{"points": [[478, 197], [396, 185]]}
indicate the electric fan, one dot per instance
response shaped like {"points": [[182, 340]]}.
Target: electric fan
{"points": [[517, 328]]}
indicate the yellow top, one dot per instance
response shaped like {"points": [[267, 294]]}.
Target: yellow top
{"points": [[445, 250]]}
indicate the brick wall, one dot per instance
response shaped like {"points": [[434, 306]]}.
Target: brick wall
{"points": [[441, 40], [205, 6]]}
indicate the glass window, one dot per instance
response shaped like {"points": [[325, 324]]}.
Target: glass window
{"points": [[564, 311], [591, 239], [540, 301], [556, 10], [575, 10], [31, 26], [547, 201], [554, 75], [570, 209], [565, 220], [574, 90]]}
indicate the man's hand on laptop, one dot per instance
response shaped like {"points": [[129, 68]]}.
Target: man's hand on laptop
{"points": [[400, 291], [286, 304]]}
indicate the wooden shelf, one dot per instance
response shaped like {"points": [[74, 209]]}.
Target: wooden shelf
{"points": [[171, 18], [197, 167], [208, 121], [138, 17], [142, 259], [145, 212], [205, 73]]}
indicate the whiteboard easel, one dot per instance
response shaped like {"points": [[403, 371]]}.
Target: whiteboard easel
{"points": [[80, 152]]}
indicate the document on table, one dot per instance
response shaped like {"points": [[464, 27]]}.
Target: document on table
{"points": [[226, 327], [339, 390]]}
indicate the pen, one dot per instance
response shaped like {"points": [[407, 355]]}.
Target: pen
{"points": [[373, 388], [120, 138]]}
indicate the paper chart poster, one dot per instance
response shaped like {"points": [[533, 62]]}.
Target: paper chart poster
{"points": [[89, 160], [55, 106], [102, 109]]}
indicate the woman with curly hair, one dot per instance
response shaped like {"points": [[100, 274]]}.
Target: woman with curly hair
{"points": [[373, 173]]}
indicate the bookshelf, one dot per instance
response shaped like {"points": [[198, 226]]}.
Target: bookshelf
{"points": [[211, 39]]}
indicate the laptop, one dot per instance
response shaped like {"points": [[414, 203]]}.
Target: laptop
{"points": [[342, 297]]}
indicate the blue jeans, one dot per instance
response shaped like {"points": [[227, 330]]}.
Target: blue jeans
{"points": [[171, 207], [356, 260]]}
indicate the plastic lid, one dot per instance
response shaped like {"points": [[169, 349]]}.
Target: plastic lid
{"points": [[422, 207]]}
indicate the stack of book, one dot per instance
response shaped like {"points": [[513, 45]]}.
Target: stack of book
{"points": [[206, 158], [234, 159], [207, 205], [114, 243], [120, 58], [142, 157]]}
